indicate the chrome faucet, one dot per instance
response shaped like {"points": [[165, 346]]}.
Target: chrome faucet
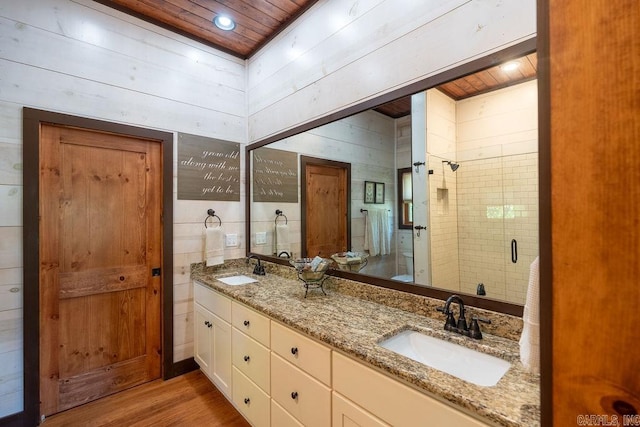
{"points": [[460, 327], [259, 268]]}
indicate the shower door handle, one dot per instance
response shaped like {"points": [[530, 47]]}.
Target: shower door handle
{"points": [[514, 251]]}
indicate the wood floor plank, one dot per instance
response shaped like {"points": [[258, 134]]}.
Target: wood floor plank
{"points": [[188, 400]]}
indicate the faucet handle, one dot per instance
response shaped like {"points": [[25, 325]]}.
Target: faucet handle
{"points": [[474, 329], [481, 319]]}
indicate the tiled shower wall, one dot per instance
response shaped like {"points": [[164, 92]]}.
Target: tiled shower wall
{"points": [[497, 203], [491, 199]]}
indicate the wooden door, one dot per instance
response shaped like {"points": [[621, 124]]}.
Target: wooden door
{"points": [[325, 210], [100, 238]]}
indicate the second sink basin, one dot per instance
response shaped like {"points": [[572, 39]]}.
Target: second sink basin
{"points": [[462, 362], [236, 280]]}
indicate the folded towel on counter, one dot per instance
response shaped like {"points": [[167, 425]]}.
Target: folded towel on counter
{"points": [[530, 338], [377, 234], [214, 246], [282, 239]]}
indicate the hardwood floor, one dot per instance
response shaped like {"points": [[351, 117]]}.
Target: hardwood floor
{"points": [[188, 400]]}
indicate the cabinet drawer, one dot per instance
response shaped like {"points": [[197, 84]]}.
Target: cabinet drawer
{"points": [[251, 358], [301, 395], [348, 414], [252, 402], [281, 418], [251, 323], [390, 400], [213, 301], [308, 355]]}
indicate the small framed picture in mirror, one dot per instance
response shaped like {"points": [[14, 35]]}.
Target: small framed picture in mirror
{"points": [[379, 192], [369, 192]]}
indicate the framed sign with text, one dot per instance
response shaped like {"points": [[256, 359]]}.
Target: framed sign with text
{"points": [[208, 169], [275, 175]]}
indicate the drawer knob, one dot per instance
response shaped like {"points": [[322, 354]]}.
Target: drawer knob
{"points": [[294, 395], [245, 323], [246, 358], [294, 350], [246, 400], [207, 323]]}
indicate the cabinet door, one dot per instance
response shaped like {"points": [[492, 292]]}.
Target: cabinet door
{"points": [[221, 351], [348, 414], [202, 340]]}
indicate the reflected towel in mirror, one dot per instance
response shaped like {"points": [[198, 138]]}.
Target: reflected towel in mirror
{"points": [[530, 339], [377, 234], [282, 239], [214, 246]]}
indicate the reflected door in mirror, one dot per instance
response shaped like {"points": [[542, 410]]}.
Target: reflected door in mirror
{"points": [[325, 210]]}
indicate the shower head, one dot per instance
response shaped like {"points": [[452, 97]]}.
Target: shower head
{"points": [[454, 166]]}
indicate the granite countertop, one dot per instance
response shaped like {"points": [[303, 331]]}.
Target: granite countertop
{"points": [[355, 326]]}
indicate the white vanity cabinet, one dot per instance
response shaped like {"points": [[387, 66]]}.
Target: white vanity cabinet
{"points": [[300, 377], [276, 376], [212, 340], [251, 364], [377, 399]]}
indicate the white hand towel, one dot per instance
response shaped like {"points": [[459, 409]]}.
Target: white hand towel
{"points": [[377, 234], [214, 246], [530, 339], [282, 239]]}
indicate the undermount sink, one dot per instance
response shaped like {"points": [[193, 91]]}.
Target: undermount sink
{"points": [[237, 280], [462, 362]]}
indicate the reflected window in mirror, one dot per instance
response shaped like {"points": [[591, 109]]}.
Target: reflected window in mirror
{"points": [[405, 199]]}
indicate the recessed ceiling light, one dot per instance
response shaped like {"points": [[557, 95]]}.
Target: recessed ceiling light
{"points": [[510, 66], [224, 22]]}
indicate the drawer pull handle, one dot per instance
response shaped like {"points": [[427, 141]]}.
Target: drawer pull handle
{"points": [[294, 395], [245, 323], [246, 400], [207, 323], [246, 358], [294, 350]]}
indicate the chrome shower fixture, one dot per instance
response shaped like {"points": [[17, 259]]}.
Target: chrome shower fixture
{"points": [[454, 166]]}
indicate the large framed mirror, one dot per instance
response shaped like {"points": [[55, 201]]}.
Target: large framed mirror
{"points": [[463, 141]]}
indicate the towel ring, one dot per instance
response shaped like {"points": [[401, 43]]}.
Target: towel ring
{"points": [[212, 213], [279, 214]]}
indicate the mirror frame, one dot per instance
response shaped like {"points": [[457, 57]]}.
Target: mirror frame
{"points": [[515, 51]]}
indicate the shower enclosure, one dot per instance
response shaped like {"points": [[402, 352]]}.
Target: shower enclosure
{"points": [[484, 223]]}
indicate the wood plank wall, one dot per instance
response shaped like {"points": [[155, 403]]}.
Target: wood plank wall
{"points": [[360, 50], [79, 57], [591, 75]]}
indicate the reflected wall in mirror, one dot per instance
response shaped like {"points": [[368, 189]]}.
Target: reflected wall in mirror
{"points": [[481, 195]]}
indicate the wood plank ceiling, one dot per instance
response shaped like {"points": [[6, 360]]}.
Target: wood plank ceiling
{"points": [[257, 22], [474, 84]]}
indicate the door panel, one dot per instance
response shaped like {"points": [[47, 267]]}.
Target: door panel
{"points": [[101, 235], [326, 210]]}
